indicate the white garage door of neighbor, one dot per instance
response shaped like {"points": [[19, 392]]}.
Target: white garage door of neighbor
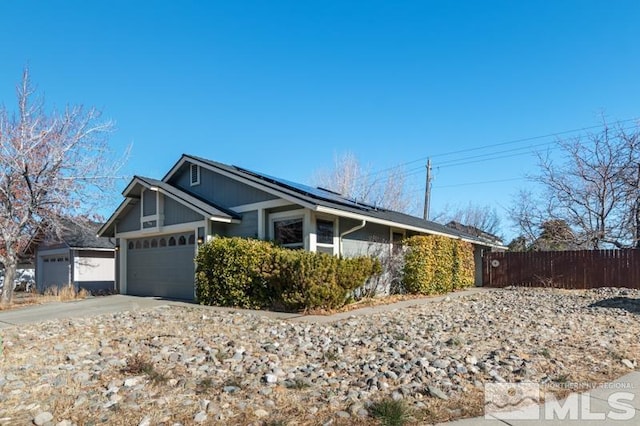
{"points": [[162, 266], [55, 271]]}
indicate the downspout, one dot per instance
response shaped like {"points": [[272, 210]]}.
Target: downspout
{"points": [[349, 231]]}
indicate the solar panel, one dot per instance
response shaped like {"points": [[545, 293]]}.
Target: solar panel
{"points": [[319, 193]]}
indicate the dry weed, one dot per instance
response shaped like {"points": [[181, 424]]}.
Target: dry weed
{"points": [[51, 294]]}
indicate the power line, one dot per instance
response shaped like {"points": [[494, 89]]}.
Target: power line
{"points": [[482, 160], [523, 148], [462, 160], [480, 183], [515, 141]]}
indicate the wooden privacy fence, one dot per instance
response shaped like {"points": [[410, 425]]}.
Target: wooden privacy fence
{"points": [[563, 269]]}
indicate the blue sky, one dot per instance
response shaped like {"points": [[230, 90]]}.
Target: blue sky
{"points": [[282, 86]]}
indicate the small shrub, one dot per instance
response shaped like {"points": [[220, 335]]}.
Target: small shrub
{"points": [[139, 364], [390, 412], [204, 385], [276, 422], [297, 384], [330, 355]]}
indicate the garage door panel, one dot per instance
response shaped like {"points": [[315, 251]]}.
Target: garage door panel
{"points": [[55, 271], [162, 271]]}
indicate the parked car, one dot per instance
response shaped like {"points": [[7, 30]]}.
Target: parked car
{"points": [[24, 281]]}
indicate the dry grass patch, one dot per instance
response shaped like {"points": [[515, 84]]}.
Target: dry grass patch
{"points": [[138, 365], [469, 404], [52, 294]]}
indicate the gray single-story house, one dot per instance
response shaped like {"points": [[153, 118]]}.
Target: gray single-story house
{"points": [[160, 223], [75, 256]]}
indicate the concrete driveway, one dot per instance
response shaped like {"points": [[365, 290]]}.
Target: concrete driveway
{"points": [[76, 308], [120, 303], [104, 305]]}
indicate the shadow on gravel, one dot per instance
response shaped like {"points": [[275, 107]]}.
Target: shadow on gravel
{"points": [[626, 303]]}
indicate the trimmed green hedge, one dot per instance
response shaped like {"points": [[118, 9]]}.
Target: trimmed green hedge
{"points": [[437, 265], [257, 274]]}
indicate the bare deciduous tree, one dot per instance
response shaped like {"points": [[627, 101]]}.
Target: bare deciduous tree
{"points": [[631, 179], [527, 214], [482, 217], [350, 179], [52, 165], [594, 189]]}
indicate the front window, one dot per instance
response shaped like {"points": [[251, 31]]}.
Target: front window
{"points": [[396, 242], [324, 230], [288, 232]]}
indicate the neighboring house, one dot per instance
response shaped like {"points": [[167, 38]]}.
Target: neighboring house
{"points": [[160, 222], [477, 232], [75, 256]]}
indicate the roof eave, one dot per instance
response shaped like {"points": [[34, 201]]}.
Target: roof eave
{"points": [[342, 213]]}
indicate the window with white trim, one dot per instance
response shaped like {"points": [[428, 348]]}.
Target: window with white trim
{"points": [[325, 236], [194, 174], [289, 232], [324, 231]]}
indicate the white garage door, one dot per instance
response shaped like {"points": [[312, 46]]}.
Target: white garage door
{"points": [[55, 271], [162, 266]]}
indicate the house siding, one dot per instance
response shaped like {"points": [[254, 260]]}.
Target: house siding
{"points": [[219, 189], [366, 241], [218, 229], [247, 228], [130, 221], [175, 213], [94, 270], [149, 202]]}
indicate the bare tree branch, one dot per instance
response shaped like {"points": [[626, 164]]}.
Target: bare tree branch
{"points": [[593, 190], [348, 178], [52, 165]]}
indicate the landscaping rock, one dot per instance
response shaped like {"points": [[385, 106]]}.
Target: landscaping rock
{"points": [[43, 418], [230, 367]]}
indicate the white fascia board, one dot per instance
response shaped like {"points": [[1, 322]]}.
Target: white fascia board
{"points": [[350, 215], [133, 182], [175, 168], [91, 249], [261, 205], [192, 206], [277, 193], [169, 229], [224, 219], [115, 214]]}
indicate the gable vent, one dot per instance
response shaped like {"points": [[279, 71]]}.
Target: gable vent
{"points": [[195, 174]]}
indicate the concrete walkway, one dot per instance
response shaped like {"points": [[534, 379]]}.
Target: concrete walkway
{"points": [[614, 403]]}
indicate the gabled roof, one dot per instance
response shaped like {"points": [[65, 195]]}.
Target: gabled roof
{"points": [[76, 233], [324, 200], [205, 208], [83, 235]]}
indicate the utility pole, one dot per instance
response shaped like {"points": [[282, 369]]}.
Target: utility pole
{"points": [[427, 191]]}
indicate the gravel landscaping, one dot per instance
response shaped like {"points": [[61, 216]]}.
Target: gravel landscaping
{"points": [[192, 365]]}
